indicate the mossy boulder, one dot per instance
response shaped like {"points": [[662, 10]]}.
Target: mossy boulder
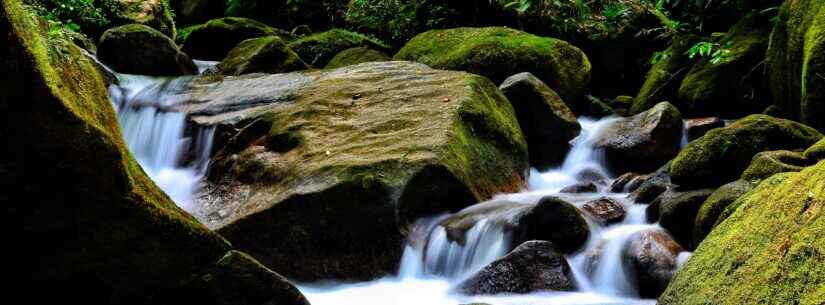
{"points": [[85, 220], [733, 86], [796, 61], [816, 152], [769, 250], [319, 48], [214, 39], [357, 55], [545, 119], [318, 173], [769, 163], [499, 52], [710, 213], [197, 11], [139, 49], [644, 142], [676, 212], [289, 14], [664, 78], [265, 55], [696, 128], [721, 155]]}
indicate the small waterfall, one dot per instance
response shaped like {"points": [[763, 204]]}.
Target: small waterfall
{"points": [[174, 157]]}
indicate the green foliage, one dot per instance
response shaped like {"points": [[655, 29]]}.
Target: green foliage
{"points": [[659, 57], [71, 14], [717, 52]]}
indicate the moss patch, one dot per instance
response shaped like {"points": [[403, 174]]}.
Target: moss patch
{"points": [[356, 56], [214, 39], [266, 55], [318, 49], [816, 152]]}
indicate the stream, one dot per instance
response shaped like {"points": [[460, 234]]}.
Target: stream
{"points": [[175, 155]]}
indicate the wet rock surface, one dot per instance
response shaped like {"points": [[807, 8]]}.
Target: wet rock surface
{"points": [[606, 210], [653, 256]]}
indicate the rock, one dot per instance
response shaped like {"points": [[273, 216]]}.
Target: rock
{"points": [[643, 142], [664, 78], [696, 128], [592, 173], [318, 173], [318, 49], [547, 122], [652, 185], [722, 154], [816, 152], [769, 163], [197, 11], [357, 55], [652, 255], [498, 53], [625, 183], [607, 210], [532, 267], [84, 218], [214, 39], [551, 219], [732, 87], [709, 215], [592, 106], [676, 212], [139, 49], [288, 14], [152, 13], [265, 55], [796, 62], [769, 250], [585, 187]]}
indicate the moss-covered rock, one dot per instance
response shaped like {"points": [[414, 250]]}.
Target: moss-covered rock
{"points": [[770, 249], [318, 49], [676, 212], [546, 121], [319, 172], [197, 11], [499, 52], [288, 14], [796, 61], [722, 154], [354, 56], [84, 218], [816, 152], [139, 49], [265, 55], [696, 128], [732, 87], [214, 39], [152, 13], [769, 163], [712, 208], [664, 78]]}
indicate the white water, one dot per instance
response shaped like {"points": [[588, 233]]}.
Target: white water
{"points": [[158, 139]]}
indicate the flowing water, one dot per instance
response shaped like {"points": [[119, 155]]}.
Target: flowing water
{"points": [[175, 154]]}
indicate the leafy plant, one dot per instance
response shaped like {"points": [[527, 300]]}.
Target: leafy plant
{"points": [[659, 57], [71, 14], [715, 51]]}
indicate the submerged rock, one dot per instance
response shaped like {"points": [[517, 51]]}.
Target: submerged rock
{"points": [[213, 40], [318, 173], [710, 215], [499, 52], [532, 267], [652, 255], [676, 212], [578, 188], [85, 220], [770, 249], [644, 142], [265, 55], [769, 163], [606, 210], [357, 55], [547, 122], [139, 49], [722, 154], [319, 48]]}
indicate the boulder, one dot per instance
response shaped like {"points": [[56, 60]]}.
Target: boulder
{"points": [[197, 11], [676, 212], [665, 76], [696, 128], [652, 255], [533, 266], [84, 218], [796, 61], [139, 49], [592, 106], [769, 250], [499, 52], [722, 154], [644, 142], [711, 211], [264, 55], [627, 182], [318, 173], [213, 40], [547, 122], [288, 14], [769, 163], [319, 48], [153, 13], [816, 152], [606, 210], [578, 188], [357, 55], [733, 86]]}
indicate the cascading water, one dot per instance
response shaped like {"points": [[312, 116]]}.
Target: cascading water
{"points": [[432, 264]]}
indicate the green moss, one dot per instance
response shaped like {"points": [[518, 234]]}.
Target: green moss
{"points": [[355, 56], [769, 163], [663, 80], [722, 154], [499, 52], [816, 152], [710, 213], [214, 39], [318, 49], [768, 251], [266, 55]]}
